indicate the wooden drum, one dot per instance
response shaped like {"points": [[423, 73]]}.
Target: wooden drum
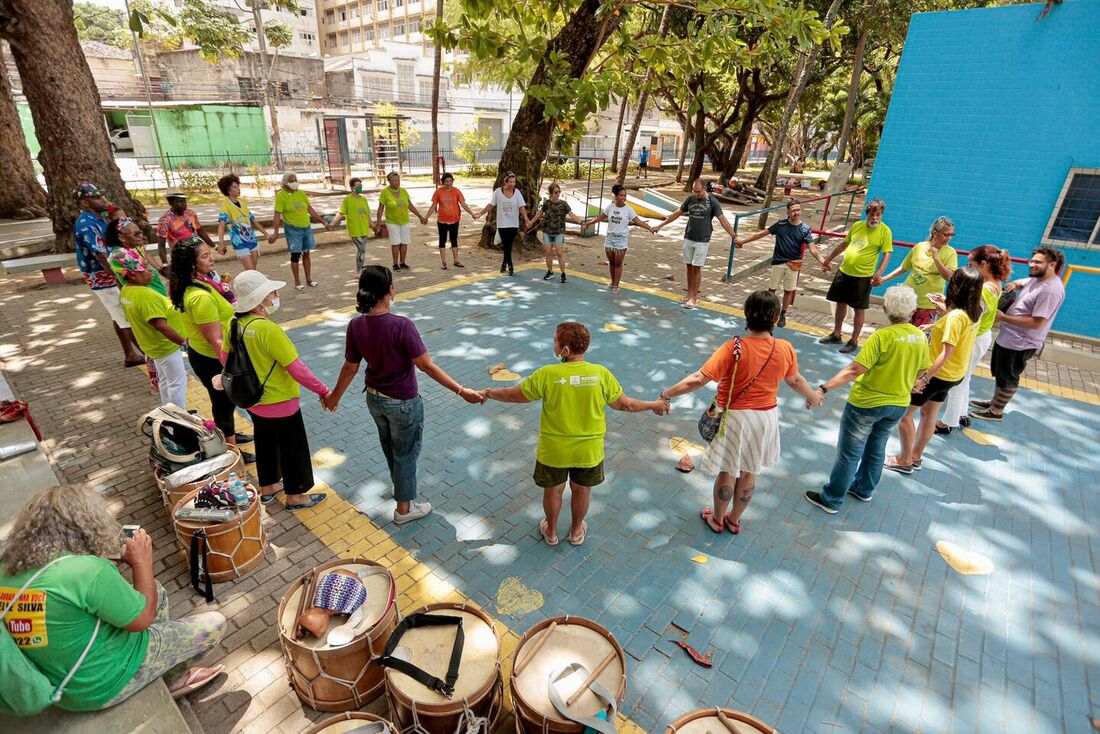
{"points": [[339, 678], [353, 721], [717, 721], [233, 548], [479, 690], [173, 489], [545, 649]]}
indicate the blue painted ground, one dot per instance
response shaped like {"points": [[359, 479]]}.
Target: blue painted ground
{"points": [[817, 623]]}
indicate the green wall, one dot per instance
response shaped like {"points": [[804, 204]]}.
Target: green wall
{"points": [[213, 134], [28, 128]]}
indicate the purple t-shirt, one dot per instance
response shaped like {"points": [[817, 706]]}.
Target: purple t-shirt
{"points": [[389, 343], [1040, 298]]}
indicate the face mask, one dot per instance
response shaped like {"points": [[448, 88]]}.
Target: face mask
{"points": [[274, 305], [358, 189], [293, 185]]}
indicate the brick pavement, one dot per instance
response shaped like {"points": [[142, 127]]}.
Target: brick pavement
{"points": [[850, 621]]}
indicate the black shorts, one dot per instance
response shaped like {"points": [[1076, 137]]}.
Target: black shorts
{"points": [[282, 452], [1008, 364], [935, 392], [447, 231], [850, 290], [551, 476]]}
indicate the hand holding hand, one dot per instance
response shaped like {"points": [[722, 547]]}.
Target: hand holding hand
{"points": [[876, 281], [825, 267], [271, 238], [138, 550], [816, 400], [473, 397], [329, 402], [659, 407], [921, 383]]}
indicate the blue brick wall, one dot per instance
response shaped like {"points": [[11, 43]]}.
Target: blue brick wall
{"points": [[990, 110]]}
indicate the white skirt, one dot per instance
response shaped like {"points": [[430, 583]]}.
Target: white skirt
{"points": [[747, 441]]}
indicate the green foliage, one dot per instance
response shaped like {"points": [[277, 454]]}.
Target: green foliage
{"points": [[217, 32], [410, 135], [96, 22], [278, 35], [198, 181], [472, 143]]}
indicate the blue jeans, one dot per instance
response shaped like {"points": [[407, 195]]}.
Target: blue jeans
{"points": [[400, 429], [860, 451]]}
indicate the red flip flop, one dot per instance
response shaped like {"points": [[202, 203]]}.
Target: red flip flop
{"points": [[685, 465], [707, 514], [733, 527]]}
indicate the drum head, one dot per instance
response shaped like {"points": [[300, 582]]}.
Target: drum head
{"points": [[569, 643], [378, 585], [430, 649], [345, 724], [713, 724]]}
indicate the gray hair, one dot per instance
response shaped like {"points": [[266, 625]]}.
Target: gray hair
{"points": [[391, 174], [875, 203], [899, 303], [288, 175], [64, 519], [940, 224]]}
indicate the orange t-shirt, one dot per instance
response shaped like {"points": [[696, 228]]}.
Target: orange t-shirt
{"points": [[448, 201], [754, 361]]}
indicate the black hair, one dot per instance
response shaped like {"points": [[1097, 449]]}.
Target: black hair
{"points": [[792, 202], [964, 291], [112, 238], [226, 181], [374, 284], [352, 182], [761, 311], [1052, 255], [616, 189], [446, 176], [183, 268]]}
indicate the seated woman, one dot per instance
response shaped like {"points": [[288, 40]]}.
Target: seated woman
{"points": [[58, 549]]}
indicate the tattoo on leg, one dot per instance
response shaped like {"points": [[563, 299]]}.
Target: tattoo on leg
{"points": [[746, 494], [725, 493]]}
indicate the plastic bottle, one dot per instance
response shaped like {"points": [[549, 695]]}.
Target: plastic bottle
{"points": [[237, 489]]}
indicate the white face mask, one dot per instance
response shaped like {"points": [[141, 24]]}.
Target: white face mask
{"points": [[274, 305], [292, 185]]}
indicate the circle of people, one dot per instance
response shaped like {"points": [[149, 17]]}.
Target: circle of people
{"points": [[901, 377]]}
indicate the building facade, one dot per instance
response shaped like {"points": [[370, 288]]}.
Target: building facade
{"points": [[356, 26]]}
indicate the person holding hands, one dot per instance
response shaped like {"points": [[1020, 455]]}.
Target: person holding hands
{"points": [[553, 215], [294, 212], [447, 199], [509, 204], [394, 203], [619, 216]]}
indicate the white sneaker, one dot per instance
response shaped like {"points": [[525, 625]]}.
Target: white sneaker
{"points": [[387, 494], [416, 511]]}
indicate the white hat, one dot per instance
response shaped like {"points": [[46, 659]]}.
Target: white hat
{"points": [[252, 287]]}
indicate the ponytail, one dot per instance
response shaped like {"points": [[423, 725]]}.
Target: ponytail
{"points": [[375, 283]]}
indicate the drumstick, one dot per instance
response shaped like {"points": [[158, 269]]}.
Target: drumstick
{"points": [[726, 720], [521, 664], [591, 678]]}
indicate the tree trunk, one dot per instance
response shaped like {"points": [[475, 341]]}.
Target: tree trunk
{"points": [[853, 96], [618, 134], [21, 197], [66, 108], [766, 180], [531, 134], [643, 97], [700, 148], [269, 72], [577, 159], [435, 95], [741, 142], [683, 157]]}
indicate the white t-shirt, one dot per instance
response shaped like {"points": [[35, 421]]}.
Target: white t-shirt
{"points": [[507, 209], [619, 218]]}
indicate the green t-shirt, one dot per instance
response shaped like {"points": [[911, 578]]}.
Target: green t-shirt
{"points": [[356, 209], [955, 328], [572, 424], [864, 247], [397, 205], [142, 304], [294, 206], [268, 346], [990, 296], [203, 305], [893, 356], [56, 616], [924, 277]]}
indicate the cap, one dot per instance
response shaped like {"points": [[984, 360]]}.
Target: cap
{"points": [[174, 193], [252, 287], [85, 190]]}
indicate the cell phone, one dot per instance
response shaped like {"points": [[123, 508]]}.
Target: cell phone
{"points": [[127, 533]]}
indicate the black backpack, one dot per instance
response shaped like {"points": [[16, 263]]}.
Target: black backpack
{"points": [[239, 379]]}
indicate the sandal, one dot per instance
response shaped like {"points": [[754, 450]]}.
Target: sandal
{"points": [[443, 266], [313, 284], [733, 527], [314, 500], [685, 465], [894, 465], [544, 531], [707, 514], [459, 265], [584, 534], [299, 287], [195, 679]]}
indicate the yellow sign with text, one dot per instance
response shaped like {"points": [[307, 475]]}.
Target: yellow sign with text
{"points": [[26, 620]]}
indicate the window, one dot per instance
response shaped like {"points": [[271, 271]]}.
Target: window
{"points": [[414, 26], [354, 11], [307, 37], [330, 17], [343, 15], [355, 37], [379, 85], [424, 87], [383, 4], [406, 81], [344, 38], [331, 40], [398, 3], [398, 29], [368, 35], [383, 32], [1076, 218]]}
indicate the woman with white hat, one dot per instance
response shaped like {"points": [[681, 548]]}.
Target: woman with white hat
{"points": [[283, 459]]}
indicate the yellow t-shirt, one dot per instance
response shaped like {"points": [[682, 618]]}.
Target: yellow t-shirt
{"points": [[397, 205], [294, 206], [270, 351], [864, 247], [893, 356], [924, 277], [990, 296], [955, 328], [203, 305], [356, 209], [142, 304]]}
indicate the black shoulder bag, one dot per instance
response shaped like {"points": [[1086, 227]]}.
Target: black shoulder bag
{"points": [[239, 379]]}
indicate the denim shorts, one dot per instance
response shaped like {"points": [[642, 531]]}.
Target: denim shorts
{"points": [[299, 239], [553, 239], [616, 241]]}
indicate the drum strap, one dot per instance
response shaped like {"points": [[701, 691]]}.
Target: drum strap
{"points": [[594, 724], [198, 565], [413, 621]]}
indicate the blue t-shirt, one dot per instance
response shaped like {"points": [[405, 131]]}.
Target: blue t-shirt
{"points": [[88, 232], [643, 157], [789, 240]]}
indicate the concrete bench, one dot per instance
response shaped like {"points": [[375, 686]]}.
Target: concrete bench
{"points": [[149, 710]]}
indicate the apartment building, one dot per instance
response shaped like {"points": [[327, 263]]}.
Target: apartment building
{"points": [[355, 26], [303, 23]]}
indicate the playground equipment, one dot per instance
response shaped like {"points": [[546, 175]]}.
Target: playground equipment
{"points": [[588, 197]]}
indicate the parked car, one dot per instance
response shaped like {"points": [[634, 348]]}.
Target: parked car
{"points": [[120, 139]]}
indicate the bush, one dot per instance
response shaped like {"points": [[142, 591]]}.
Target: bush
{"points": [[194, 182]]}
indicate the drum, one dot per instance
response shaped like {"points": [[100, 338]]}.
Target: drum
{"points": [[234, 547], [479, 690], [352, 721], [340, 678], [548, 647], [711, 720], [175, 486]]}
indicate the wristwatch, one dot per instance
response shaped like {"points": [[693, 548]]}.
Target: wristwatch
{"points": [[822, 388]]}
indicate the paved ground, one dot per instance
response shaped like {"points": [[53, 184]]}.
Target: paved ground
{"points": [[823, 624]]}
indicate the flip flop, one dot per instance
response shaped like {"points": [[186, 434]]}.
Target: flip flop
{"points": [[313, 284], [196, 679], [299, 287], [459, 265], [733, 527], [685, 465], [544, 528], [707, 514], [443, 267], [314, 500], [267, 499], [136, 363], [584, 534]]}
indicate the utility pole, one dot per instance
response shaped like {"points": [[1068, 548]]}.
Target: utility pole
{"points": [[261, 42], [148, 98]]}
